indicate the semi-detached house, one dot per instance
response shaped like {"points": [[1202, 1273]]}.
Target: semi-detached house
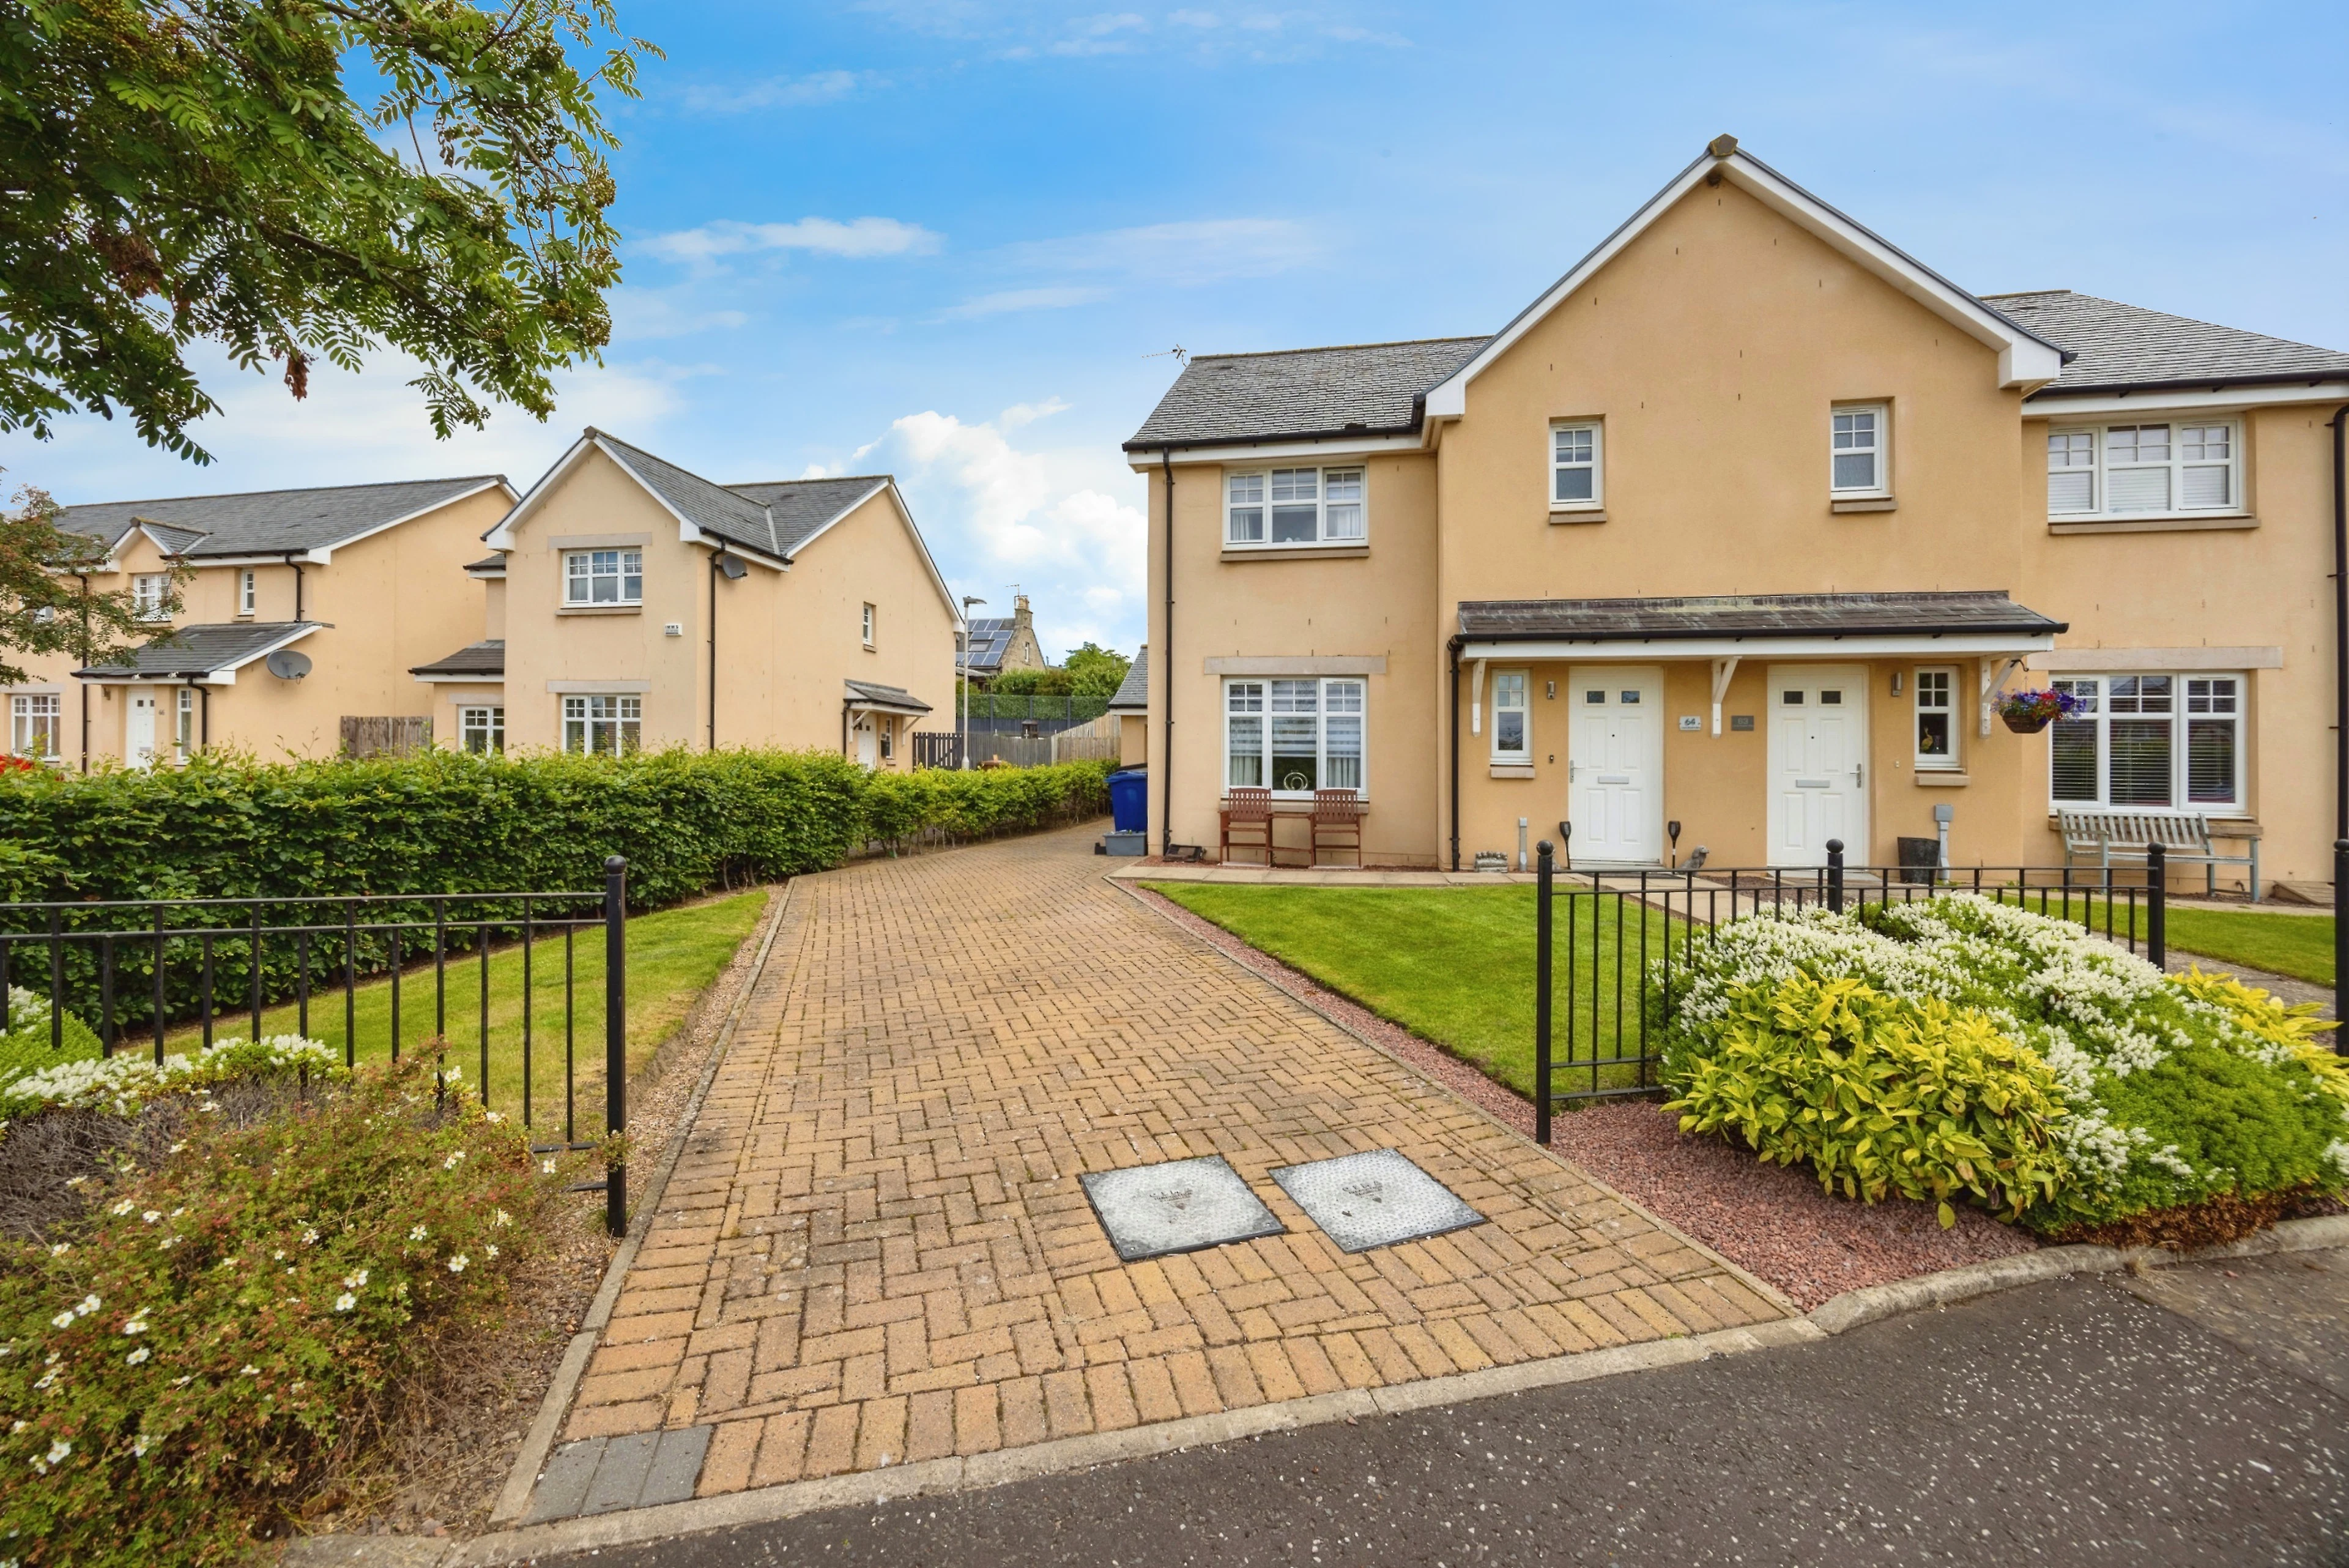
{"points": [[1730, 539]]}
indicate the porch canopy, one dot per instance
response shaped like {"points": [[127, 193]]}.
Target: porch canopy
{"points": [[871, 697], [1725, 627]]}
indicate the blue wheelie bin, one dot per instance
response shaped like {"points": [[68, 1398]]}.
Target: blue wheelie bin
{"points": [[1129, 800]]}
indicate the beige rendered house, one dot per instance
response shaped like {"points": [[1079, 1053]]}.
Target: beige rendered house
{"points": [[301, 609], [632, 604], [1737, 530]]}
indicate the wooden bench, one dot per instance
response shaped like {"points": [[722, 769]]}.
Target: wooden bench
{"points": [[2183, 837]]}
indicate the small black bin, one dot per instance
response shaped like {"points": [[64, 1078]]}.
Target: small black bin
{"points": [[1920, 857]]}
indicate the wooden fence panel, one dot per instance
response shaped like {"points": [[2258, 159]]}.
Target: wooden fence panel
{"points": [[395, 735]]}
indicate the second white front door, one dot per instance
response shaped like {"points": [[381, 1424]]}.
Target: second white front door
{"points": [[1615, 764], [1818, 762], [139, 730], [868, 748]]}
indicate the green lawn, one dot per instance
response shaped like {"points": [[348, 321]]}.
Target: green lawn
{"points": [[673, 955], [1456, 965], [2298, 945]]}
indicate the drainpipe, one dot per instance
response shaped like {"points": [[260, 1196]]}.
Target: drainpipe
{"points": [[1166, 664], [297, 564], [84, 650], [205, 716], [1453, 648], [713, 648], [2340, 423]]}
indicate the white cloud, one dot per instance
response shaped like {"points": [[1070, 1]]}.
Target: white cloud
{"points": [[640, 315], [776, 92], [1202, 251], [859, 238], [1066, 524], [1006, 301], [1109, 34]]}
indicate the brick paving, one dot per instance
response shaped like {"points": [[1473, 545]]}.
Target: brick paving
{"points": [[875, 1248]]}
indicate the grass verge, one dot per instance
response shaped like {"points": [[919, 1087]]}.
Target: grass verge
{"points": [[1456, 965], [2298, 945]]}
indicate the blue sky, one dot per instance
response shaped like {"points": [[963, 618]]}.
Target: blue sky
{"points": [[943, 238]]}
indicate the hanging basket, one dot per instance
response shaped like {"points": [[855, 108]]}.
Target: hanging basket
{"points": [[2027, 723]]}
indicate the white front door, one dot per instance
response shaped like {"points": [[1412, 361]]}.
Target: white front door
{"points": [[867, 747], [139, 730], [1818, 762], [1615, 764]]}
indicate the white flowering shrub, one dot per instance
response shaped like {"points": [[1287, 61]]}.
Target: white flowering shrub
{"points": [[29, 1043], [2176, 1089], [123, 1082]]}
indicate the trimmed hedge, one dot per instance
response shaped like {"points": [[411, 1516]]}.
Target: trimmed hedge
{"points": [[447, 821]]}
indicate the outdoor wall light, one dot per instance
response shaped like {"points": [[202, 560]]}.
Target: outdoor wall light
{"points": [[1898, 681]]}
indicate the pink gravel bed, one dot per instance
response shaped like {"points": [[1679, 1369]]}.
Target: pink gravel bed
{"points": [[1773, 1222]]}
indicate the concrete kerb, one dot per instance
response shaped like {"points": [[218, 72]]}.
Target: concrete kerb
{"points": [[1759, 1286], [515, 1497]]}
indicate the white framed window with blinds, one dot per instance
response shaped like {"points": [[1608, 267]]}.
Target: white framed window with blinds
{"points": [[1511, 717], [1577, 467], [1860, 451], [1295, 506], [1294, 736], [2151, 741], [2159, 470], [603, 578]]}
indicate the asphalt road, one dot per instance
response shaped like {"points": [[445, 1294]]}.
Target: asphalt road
{"points": [[2194, 1416]]}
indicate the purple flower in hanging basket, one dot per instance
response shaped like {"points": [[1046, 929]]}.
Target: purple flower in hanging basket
{"points": [[2038, 707]]}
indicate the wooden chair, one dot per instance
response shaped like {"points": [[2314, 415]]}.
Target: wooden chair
{"points": [[1249, 812], [1337, 823]]}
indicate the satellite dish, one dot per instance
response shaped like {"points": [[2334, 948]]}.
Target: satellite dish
{"points": [[287, 665]]}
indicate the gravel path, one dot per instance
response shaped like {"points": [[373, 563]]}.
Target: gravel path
{"points": [[1773, 1222]]}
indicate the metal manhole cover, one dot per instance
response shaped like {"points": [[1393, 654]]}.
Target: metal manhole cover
{"points": [[1374, 1200], [1182, 1206]]}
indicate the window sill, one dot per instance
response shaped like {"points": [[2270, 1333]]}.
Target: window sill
{"points": [[2163, 525], [1295, 552], [1942, 778], [1564, 515], [1512, 770], [1863, 504], [600, 609]]}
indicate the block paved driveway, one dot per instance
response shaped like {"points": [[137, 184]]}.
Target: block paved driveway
{"points": [[875, 1248]]}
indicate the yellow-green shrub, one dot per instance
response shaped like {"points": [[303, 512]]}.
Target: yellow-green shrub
{"points": [[1879, 1094]]}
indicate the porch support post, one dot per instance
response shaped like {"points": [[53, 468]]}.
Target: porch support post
{"points": [[1723, 672], [1476, 699], [1994, 671]]}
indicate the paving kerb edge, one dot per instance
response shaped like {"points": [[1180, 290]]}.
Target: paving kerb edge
{"points": [[1761, 1287], [935, 1477], [515, 1497], [1873, 1303]]}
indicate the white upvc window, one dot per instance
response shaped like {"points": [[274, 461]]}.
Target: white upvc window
{"points": [[1577, 467], [481, 728], [1295, 506], [248, 591], [1511, 717], [148, 590], [2145, 469], [604, 576], [868, 625], [2169, 741], [1937, 719], [1293, 736], [605, 726], [36, 725], [1857, 457], [184, 730], [888, 728]]}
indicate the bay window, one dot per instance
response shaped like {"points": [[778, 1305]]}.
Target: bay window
{"points": [[1295, 506], [2151, 742], [604, 726], [603, 577], [2145, 469], [1294, 736]]}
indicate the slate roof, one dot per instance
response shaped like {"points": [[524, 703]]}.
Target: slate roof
{"points": [[483, 659], [1750, 614], [988, 640], [2120, 346], [270, 521], [1133, 691], [209, 649], [882, 696], [1363, 388], [775, 517], [487, 564]]}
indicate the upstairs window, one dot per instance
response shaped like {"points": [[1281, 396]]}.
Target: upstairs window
{"points": [[603, 577], [1857, 457], [1574, 461], [248, 591], [868, 625], [2145, 469], [1295, 506], [148, 593]]}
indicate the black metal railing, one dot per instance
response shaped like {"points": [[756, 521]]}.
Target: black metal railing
{"points": [[1623, 933], [140, 973]]}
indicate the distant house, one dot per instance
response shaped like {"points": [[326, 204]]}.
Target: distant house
{"points": [[997, 643], [1131, 708]]}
